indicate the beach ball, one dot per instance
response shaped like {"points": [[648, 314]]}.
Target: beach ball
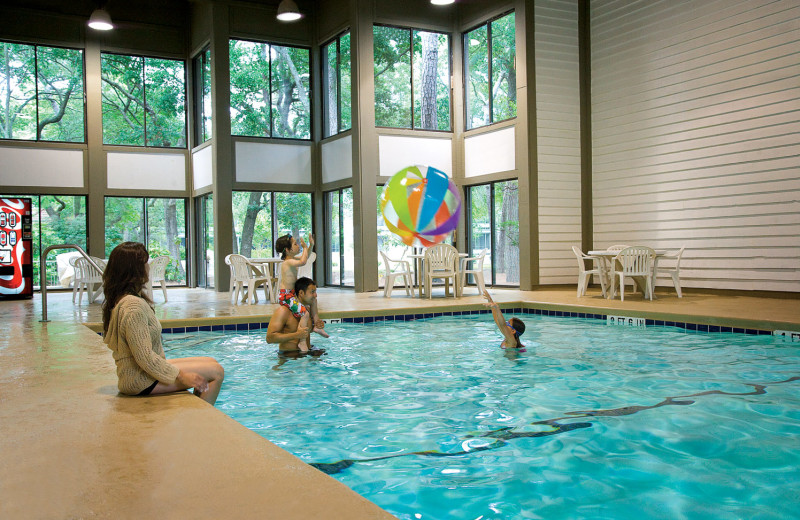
{"points": [[421, 205]]}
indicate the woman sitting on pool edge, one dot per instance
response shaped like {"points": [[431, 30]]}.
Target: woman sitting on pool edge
{"points": [[133, 333], [511, 329]]}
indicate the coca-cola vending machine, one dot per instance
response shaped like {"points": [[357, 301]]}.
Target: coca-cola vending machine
{"points": [[16, 248]]}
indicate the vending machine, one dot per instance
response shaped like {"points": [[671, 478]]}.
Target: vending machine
{"points": [[16, 248]]}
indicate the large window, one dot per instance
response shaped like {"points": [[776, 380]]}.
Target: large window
{"points": [[254, 227], [204, 218], [57, 219], [340, 252], [41, 93], [202, 96], [493, 220], [144, 101], [159, 223], [412, 78], [336, 81], [270, 90], [490, 74]]}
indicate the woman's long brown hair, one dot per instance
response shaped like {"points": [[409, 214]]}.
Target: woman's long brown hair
{"points": [[125, 274]]}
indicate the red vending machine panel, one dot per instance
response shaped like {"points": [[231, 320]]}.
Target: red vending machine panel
{"points": [[16, 253]]}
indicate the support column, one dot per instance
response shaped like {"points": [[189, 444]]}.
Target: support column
{"points": [[96, 163], [222, 156], [585, 79], [365, 149], [526, 146]]}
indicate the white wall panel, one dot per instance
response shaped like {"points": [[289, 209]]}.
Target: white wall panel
{"points": [[146, 171], [696, 136], [273, 163], [41, 167], [558, 139], [337, 159], [398, 152], [491, 152], [202, 170]]}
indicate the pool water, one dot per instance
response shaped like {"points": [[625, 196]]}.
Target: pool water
{"points": [[430, 419]]}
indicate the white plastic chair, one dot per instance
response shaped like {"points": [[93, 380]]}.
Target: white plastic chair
{"points": [[584, 274], [158, 273], [476, 271], [636, 261], [391, 276], [441, 261], [228, 263], [241, 274], [617, 248], [308, 269], [674, 272], [86, 277]]}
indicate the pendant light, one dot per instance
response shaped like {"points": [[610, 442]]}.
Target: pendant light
{"points": [[288, 11]]}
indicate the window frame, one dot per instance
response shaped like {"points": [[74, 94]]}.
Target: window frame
{"points": [[144, 100], [492, 225], [323, 66], [489, 72], [327, 231], [269, 86], [36, 88], [199, 86], [412, 30]]}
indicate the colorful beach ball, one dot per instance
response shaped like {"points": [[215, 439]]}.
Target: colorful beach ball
{"points": [[421, 205]]}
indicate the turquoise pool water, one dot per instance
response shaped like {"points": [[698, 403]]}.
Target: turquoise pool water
{"points": [[430, 419]]}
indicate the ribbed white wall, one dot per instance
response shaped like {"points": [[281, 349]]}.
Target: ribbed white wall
{"points": [[558, 131], [696, 135]]}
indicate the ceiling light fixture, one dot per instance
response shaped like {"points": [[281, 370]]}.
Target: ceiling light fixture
{"points": [[442, 2], [288, 11], [100, 20]]}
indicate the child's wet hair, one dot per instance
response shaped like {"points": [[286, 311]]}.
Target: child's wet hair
{"points": [[518, 325], [282, 244]]}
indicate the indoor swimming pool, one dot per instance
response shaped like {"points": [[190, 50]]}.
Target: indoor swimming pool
{"points": [[430, 419]]}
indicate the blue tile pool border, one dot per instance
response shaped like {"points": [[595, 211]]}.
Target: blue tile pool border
{"points": [[648, 322]]}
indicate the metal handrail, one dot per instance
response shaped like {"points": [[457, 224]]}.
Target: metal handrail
{"points": [[43, 274]]}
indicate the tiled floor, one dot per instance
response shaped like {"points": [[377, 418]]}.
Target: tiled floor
{"points": [[73, 448]]}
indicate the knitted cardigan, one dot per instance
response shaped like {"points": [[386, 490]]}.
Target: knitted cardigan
{"points": [[134, 337]]}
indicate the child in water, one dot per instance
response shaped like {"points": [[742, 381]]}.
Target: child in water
{"points": [[292, 260], [511, 329]]}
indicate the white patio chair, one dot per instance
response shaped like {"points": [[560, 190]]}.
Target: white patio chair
{"points": [[308, 269], [158, 273], [617, 247], [674, 271], [86, 277], [584, 275], [404, 273], [441, 261], [228, 263], [241, 274], [476, 271], [636, 261]]}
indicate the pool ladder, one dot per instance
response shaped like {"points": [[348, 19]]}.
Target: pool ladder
{"points": [[43, 274]]}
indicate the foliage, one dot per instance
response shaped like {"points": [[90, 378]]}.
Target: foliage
{"points": [[54, 114], [269, 90], [144, 101]]}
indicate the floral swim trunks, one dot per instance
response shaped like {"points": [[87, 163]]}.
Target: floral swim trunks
{"points": [[289, 300]]}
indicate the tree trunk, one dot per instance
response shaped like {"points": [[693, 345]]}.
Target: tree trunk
{"points": [[333, 101], [509, 215], [248, 228], [171, 225], [430, 62]]}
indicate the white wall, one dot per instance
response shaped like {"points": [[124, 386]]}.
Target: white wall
{"points": [[202, 168], [399, 152], [337, 159], [146, 171], [41, 167], [489, 152], [558, 146], [696, 136], [273, 162]]}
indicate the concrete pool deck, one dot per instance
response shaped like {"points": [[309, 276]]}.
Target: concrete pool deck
{"points": [[72, 447]]}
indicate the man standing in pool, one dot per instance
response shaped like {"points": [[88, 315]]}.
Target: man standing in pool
{"points": [[511, 329], [285, 328]]}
